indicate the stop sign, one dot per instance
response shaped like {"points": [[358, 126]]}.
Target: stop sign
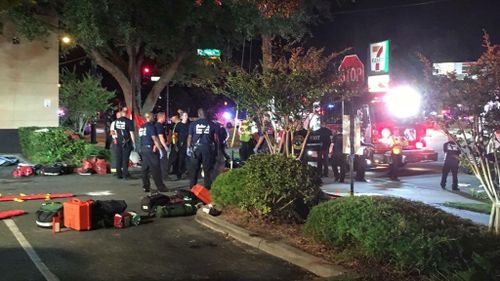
{"points": [[352, 70]]}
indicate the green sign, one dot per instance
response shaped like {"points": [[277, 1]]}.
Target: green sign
{"points": [[209, 52]]}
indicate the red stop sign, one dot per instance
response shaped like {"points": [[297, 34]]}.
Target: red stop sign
{"points": [[352, 70]]}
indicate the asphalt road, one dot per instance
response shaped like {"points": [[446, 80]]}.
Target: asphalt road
{"points": [[162, 249]]}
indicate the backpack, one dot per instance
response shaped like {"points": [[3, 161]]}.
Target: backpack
{"points": [[103, 212], [46, 212]]}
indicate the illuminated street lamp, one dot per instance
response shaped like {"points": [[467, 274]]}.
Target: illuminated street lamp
{"points": [[66, 39]]}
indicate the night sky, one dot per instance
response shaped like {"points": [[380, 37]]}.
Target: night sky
{"points": [[442, 30]]}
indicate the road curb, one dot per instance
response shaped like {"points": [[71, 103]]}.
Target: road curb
{"points": [[278, 249]]}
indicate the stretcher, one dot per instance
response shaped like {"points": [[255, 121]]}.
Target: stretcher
{"points": [[44, 196]]}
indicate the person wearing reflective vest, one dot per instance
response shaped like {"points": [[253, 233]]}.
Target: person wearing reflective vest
{"points": [[397, 144], [246, 143]]}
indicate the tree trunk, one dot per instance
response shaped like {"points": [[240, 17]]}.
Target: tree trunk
{"points": [[267, 50], [165, 78], [118, 74]]}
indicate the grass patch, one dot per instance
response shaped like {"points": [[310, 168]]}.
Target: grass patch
{"points": [[484, 208]]}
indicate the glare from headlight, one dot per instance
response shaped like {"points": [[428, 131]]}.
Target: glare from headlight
{"points": [[403, 101]]}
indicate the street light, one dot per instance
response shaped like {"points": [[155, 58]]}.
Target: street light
{"points": [[66, 39]]}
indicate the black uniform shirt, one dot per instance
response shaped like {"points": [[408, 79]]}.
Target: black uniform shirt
{"points": [[182, 130], [451, 151], [123, 127], [325, 136], [202, 131], [160, 129], [146, 133]]}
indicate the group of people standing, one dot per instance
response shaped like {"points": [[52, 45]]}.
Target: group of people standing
{"points": [[180, 147]]}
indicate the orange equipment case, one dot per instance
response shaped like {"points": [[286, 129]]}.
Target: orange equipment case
{"points": [[202, 193], [78, 214]]}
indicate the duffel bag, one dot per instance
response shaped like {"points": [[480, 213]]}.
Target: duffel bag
{"points": [[103, 212], [175, 210], [150, 202], [46, 212]]}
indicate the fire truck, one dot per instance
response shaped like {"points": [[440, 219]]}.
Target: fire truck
{"points": [[383, 117]]}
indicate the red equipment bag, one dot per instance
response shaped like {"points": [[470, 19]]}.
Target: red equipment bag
{"points": [[101, 167], [23, 171]]}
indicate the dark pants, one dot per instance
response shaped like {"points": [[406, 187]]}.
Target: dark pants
{"points": [[164, 164], [360, 167], [338, 163], [202, 154], [453, 167], [322, 163], [122, 157], [177, 158], [109, 139], [246, 149], [151, 165], [394, 167]]}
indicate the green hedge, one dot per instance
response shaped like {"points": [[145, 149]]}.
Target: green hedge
{"points": [[228, 187], [410, 235], [50, 145], [272, 186]]}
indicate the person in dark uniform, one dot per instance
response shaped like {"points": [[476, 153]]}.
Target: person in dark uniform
{"points": [[160, 127], [151, 153], [222, 135], [201, 147], [360, 162], [338, 158], [125, 143], [179, 146], [325, 137], [451, 161], [109, 117]]}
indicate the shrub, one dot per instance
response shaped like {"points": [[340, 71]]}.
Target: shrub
{"points": [[410, 235], [228, 187], [279, 187], [50, 145]]}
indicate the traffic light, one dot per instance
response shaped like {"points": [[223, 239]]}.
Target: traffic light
{"points": [[146, 71]]}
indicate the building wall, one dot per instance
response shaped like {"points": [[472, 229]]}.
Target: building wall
{"points": [[29, 77]]}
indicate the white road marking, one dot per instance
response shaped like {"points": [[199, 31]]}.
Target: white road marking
{"points": [[100, 193], [49, 276]]}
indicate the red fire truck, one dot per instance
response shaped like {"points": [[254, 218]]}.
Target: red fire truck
{"points": [[384, 116]]}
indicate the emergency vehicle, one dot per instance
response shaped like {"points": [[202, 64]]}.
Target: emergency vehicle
{"points": [[384, 117]]}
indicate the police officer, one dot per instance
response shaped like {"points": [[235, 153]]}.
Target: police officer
{"points": [[151, 153], [451, 161], [125, 143], [162, 136], [338, 158], [201, 147]]}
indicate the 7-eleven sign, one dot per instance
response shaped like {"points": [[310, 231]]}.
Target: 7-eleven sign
{"points": [[379, 57]]}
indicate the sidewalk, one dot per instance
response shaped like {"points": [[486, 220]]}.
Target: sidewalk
{"points": [[413, 188]]}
